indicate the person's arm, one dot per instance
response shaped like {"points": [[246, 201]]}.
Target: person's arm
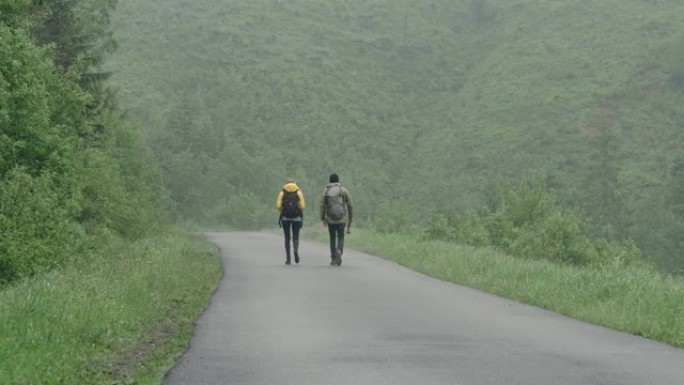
{"points": [[322, 208], [279, 207], [350, 205], [279, 202], [302, 204]]}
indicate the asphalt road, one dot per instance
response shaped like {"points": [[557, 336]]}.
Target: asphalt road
{"points": [[371, 321]]}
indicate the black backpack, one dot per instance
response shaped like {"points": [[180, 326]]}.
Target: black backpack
{"points": [[291, 205]]}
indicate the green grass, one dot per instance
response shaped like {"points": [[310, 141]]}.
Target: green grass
{"points": [[122, 317], [635, 300]]}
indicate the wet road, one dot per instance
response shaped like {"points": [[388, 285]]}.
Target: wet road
{"points": [[371, 321]]}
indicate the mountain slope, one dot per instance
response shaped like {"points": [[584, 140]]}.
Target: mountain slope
{"points": [[449, 101]]}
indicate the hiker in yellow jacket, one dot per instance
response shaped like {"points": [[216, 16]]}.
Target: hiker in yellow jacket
{"points": [[290, 203]]}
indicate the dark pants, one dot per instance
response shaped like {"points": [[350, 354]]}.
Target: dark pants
{"points": [[291, 230], [336, 232]]}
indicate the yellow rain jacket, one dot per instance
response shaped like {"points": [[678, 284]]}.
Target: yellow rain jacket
{"points": [[290, 187]]}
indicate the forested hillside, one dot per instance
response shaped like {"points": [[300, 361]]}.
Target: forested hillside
{"points": [[436, 105], [71, 171]]}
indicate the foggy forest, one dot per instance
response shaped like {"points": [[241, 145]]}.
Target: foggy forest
{"points": [[430, 111], [547, 131]]}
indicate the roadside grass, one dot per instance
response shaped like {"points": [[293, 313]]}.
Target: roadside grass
{"points": [[119, 318], [635, 300]]}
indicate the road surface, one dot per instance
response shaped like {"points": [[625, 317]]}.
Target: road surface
{"points": [[371, 321]]}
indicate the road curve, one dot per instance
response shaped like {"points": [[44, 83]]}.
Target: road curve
{"points": [[371, 321]]}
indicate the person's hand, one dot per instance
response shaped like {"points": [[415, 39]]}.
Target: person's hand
{"points": [[280, 222]]}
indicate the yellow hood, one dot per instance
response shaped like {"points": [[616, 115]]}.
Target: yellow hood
{"points": [[290, 187]]}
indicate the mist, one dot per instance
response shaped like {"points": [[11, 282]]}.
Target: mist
{"points": [[432, 108]]}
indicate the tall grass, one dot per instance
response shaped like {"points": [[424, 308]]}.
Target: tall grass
{"points": [[629, 298], [118, 318]]}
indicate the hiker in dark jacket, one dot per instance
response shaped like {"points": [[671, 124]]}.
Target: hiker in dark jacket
{"points": [[337, 212], [290, 204]]}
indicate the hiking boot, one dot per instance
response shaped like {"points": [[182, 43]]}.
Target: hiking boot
{"points": [[337, 258], [296, 257]]}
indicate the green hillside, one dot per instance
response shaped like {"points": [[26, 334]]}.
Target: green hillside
{"points": [[438, 104]]}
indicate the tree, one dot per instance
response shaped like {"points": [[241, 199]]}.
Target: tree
{"points": [[79, 30]]}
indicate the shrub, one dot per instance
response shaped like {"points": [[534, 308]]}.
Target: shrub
{"points": [[529, 223], [619, 254], [438, 228], [559, 237], [37, 231], [520, 209], [471, 231]]}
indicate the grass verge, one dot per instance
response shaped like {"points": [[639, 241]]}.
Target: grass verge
{"points": [[630, 299], [119, 318]]}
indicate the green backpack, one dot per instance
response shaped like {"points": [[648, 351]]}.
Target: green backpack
{"points": [[336, 208]]}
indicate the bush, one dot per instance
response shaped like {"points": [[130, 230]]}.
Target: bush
{"points": [[529, 223], [37, 232], [467, 229], [558, 237], [438, 228], [619, 254], [524, 208], [472, 231], [115, 199]]}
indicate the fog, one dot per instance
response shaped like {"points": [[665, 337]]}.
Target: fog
{"points": [[439, 106]]}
